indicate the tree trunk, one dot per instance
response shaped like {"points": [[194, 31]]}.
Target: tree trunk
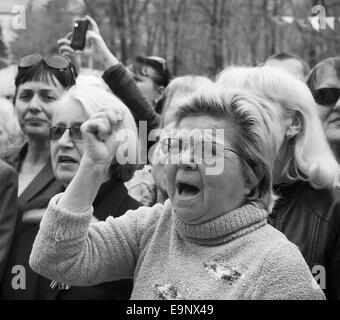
{"points": [[177, 19]]}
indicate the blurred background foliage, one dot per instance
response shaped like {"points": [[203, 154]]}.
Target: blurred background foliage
{"points": [[195, 36]]}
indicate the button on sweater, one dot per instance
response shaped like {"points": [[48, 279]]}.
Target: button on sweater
{"points": [[235, 256]]}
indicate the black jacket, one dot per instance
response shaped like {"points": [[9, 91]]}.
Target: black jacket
{"points": [[124, 87], [8, 211], [41, 189], [112, 199], [310, 218]]}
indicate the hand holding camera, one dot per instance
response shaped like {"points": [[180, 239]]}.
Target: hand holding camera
{"points": [[85, 39]]}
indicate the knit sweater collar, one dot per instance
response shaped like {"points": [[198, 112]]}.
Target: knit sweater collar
{"points": [[224, 228]]}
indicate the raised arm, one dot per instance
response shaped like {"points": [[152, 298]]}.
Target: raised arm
{"points": [[116, 75], [71, 250]]}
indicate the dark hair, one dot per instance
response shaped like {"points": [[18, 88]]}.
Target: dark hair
{"points": [[163, 75], [40, 72], [281, 56], [313, 78]]}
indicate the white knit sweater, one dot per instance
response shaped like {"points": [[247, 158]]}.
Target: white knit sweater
{"points": [[235, 256]]}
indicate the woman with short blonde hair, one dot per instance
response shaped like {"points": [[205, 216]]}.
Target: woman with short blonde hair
{"points": [[94, 98], [68, 146], [305, 172]]}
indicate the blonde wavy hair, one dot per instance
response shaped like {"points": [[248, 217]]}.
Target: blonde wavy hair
{"points": [[312, 159]]}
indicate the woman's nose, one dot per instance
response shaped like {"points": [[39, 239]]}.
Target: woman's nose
{"points": [[34, 106], [65, 140], [187, 159]]}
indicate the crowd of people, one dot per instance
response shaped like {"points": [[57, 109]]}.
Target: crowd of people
{"points": [[141, 185]]}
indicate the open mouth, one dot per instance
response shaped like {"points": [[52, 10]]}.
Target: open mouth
{"points": [[66, 160], [187, 190]]}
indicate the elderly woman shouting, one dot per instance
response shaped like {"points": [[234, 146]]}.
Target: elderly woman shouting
{"points": [[210, 240]]}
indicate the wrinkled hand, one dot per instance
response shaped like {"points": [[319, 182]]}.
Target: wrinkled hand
{"points": [[95, 46], [100, 135]]}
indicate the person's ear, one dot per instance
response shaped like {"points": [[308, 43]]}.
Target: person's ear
{"points": [[160, 91], [160, 94], [251, 183], [295, 126]]}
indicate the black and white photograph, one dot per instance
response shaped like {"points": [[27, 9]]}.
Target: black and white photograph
{"points": [[169, 150]]}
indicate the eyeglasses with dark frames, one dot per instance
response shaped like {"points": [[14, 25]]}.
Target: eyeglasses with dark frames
{"points": [[208, 149], [57, 132]]}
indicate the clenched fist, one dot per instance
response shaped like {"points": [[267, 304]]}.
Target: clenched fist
{"points": [[100, 136]]}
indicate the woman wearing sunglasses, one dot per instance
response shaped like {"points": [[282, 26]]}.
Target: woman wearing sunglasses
{"points": [[210, 240], [112, 199], [305, 173], [324, 82], [40, 82]]}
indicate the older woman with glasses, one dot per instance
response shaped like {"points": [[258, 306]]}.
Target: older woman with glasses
{"points": [[179, 88], [210, 240], [67, 150], [306, 172], [324, 82], [39, 83]]}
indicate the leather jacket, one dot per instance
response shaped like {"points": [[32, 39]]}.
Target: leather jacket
{"points": [[310, 218]]}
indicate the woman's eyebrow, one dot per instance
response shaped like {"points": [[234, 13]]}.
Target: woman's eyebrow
{"points": [[46, 91], [59, 123], [76, 124]]}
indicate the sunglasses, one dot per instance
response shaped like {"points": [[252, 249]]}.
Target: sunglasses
{"points": [[154, 60], [159, 60], [326, 96], [57, 132], [54, 61]]}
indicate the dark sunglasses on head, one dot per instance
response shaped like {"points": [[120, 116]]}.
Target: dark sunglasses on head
{"points": [[54, 61], [57, 132], [153, 60], [159, 60], [326, 96]]}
